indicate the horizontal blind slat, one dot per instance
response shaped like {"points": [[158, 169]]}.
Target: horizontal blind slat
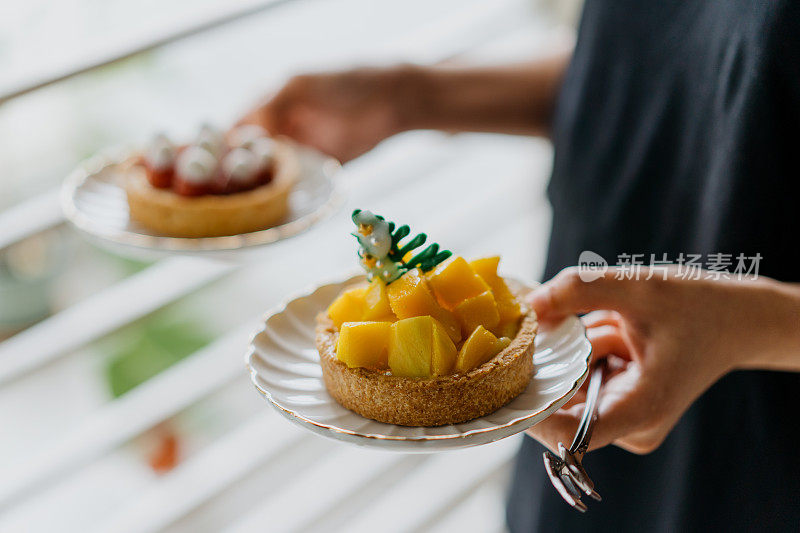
{"points": [[104, 312], [131, 414], [33, 216], [444, 475], [349, 476], [479, 507], [114, 52], [205, 474]]}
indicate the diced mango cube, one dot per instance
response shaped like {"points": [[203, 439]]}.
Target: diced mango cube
{"points": [[410, 296], [477, 311], [443, 357], [376, 302], [507, 305], [364, 344], [454, 281], [349, 306], [409, 348], [419, 347], [486, 267], [503, 343], [507, 329], [480, 347]]}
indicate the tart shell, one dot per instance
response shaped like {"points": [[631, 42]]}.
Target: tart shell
{"points": [[437, 401], [168, 213]]}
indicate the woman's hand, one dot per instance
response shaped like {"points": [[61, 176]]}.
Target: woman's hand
{"points": [[347, 113], [667, 340], [343, 114]]}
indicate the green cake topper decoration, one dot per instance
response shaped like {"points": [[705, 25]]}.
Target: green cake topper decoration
{"points": [[381, 254]]}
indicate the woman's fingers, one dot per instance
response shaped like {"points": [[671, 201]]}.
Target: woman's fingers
{"points": [[623, 407], [601, 318], [558, 427], [275, 114], [607, 340], [273, 111], [619, 415], [568, 294], [619, 405], [579, 398]]}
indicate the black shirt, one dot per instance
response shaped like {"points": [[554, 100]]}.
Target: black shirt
{"points": [[677, 130]]}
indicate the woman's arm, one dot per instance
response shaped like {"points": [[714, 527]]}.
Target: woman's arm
{"points": [[347, 113], [507, 99], [668, 340], [779, 312]]}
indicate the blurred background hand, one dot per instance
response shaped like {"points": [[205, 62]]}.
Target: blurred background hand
{"points": [[343, 114], [347, 113]]}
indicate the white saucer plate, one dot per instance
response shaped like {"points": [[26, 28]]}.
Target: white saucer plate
{"points": [[284, 367], [95, 203]]}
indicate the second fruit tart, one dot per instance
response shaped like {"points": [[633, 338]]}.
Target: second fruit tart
{"points": [[217, 185], [429, 339]]}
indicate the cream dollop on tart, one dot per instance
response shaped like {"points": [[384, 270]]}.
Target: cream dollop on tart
{"points": [[264, 151], [244, 136], [211, 139], [160, 152], [196, 165], [240, 166]]}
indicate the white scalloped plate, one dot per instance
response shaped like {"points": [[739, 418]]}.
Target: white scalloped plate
{"points": [[95, 203], [284, 367]]}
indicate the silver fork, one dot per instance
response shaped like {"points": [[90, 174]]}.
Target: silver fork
{"points": [[565, 470]]}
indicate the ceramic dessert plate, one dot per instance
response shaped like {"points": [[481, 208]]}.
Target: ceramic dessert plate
{"points": [[284, 366], [94, 201]]}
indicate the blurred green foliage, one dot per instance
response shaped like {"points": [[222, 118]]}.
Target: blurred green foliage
{"points": [[149, 347]]}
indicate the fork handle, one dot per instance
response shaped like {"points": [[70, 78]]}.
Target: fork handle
{"points": [[581, 441]]}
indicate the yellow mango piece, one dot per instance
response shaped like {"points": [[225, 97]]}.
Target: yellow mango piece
{"points": [[364, 344], [477, 311], [486, 267], [503, 343], [480, 347], [349, 306], [444, 354], [507, 329], [454, 281], [410, 347], [507, 305], [419, 347], [410, 296], [376, 302]]}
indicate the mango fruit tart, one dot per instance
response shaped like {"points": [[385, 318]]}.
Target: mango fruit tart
{"points": [[429, 339]]}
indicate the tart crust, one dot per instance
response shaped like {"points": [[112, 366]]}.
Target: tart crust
{"points": [[437, 401], [168, 213]]}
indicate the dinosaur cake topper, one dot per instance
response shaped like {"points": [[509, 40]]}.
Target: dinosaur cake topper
{"points": [[381, 253]]}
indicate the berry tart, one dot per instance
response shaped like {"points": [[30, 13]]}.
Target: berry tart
{"points": [[217, 185], [428, 339]]}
